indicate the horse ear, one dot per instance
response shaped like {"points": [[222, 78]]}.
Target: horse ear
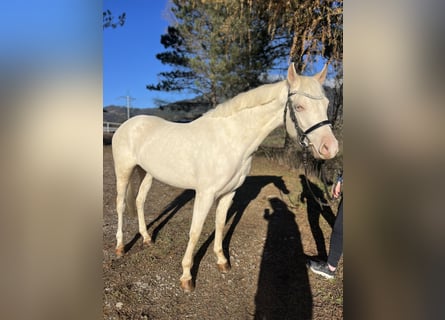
{"points": [[292, 76], [321, 76]]}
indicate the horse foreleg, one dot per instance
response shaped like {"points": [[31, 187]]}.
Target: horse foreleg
{"points": [[140, 201], [220, 221], [203, 202]]}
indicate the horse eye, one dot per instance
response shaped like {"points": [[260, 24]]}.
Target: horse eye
{"points": [[299, 108]]}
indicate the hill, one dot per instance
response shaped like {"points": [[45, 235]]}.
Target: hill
{"points": [[179, 111]]}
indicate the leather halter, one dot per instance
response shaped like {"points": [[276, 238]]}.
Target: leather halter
{"points": [[303, 134]]}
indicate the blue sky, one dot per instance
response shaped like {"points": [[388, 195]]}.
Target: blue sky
{"points": [[129, 53]]}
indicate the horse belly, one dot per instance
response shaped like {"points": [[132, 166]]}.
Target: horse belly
{"points": [[169, 165], [170, 174]]}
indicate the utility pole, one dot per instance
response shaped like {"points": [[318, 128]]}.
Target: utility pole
{"points": [[128, 98]]}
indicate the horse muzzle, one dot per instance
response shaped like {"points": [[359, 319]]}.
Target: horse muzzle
{"points": [[328, 148]]}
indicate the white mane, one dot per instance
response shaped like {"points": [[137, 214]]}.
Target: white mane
{"points": [[249, 99]]}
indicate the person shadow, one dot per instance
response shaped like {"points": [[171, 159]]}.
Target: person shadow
{"points": [[309, 195], [283, 285], [245, 194]]}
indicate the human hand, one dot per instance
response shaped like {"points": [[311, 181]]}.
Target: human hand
{"points": [[337, 190]]}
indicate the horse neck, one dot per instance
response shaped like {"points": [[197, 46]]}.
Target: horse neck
{"points": [[258, 122]]}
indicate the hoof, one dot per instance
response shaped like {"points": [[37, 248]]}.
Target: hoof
{"points": [[224, 267], [147, 243], [119, 252], [187, 285]]}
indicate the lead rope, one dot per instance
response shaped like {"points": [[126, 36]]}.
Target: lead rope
{"points": [[330, 200]]}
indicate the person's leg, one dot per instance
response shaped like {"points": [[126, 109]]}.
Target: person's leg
{"points": [[327, 269], [336, 244]]}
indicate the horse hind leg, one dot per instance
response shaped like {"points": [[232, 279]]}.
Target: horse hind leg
{"points": [[203, 202], [220, 221], [140, 201], [122, 184]]}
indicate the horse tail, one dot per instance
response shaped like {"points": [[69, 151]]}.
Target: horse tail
{"points": [[130, 202]]}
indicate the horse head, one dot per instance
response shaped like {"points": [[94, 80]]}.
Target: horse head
{"points": [[306, 114]]}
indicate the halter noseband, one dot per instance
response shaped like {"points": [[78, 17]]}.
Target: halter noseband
{"points": [[303, 134]]}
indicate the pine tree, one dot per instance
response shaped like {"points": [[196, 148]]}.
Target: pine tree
{"points": [[182, 76], [220, 45]]}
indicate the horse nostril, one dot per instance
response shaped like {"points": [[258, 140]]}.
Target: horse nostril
{"points": [[328, 150], [324, 150]]}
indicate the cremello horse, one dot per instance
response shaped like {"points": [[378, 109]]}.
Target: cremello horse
{"points": [[213, 153]]}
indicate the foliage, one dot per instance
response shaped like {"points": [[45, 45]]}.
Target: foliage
{"points": [[109, 21], [219, 48], [313, 29], [182, 76]]}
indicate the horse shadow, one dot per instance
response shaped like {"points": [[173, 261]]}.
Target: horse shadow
{"points": [[310, 194], [167, 214], [283, 285], [246, 193]]}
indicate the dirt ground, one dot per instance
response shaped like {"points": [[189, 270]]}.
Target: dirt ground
{"points": [[268, 237]]}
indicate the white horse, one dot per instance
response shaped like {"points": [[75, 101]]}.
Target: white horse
{"points": [[213, 153]]}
